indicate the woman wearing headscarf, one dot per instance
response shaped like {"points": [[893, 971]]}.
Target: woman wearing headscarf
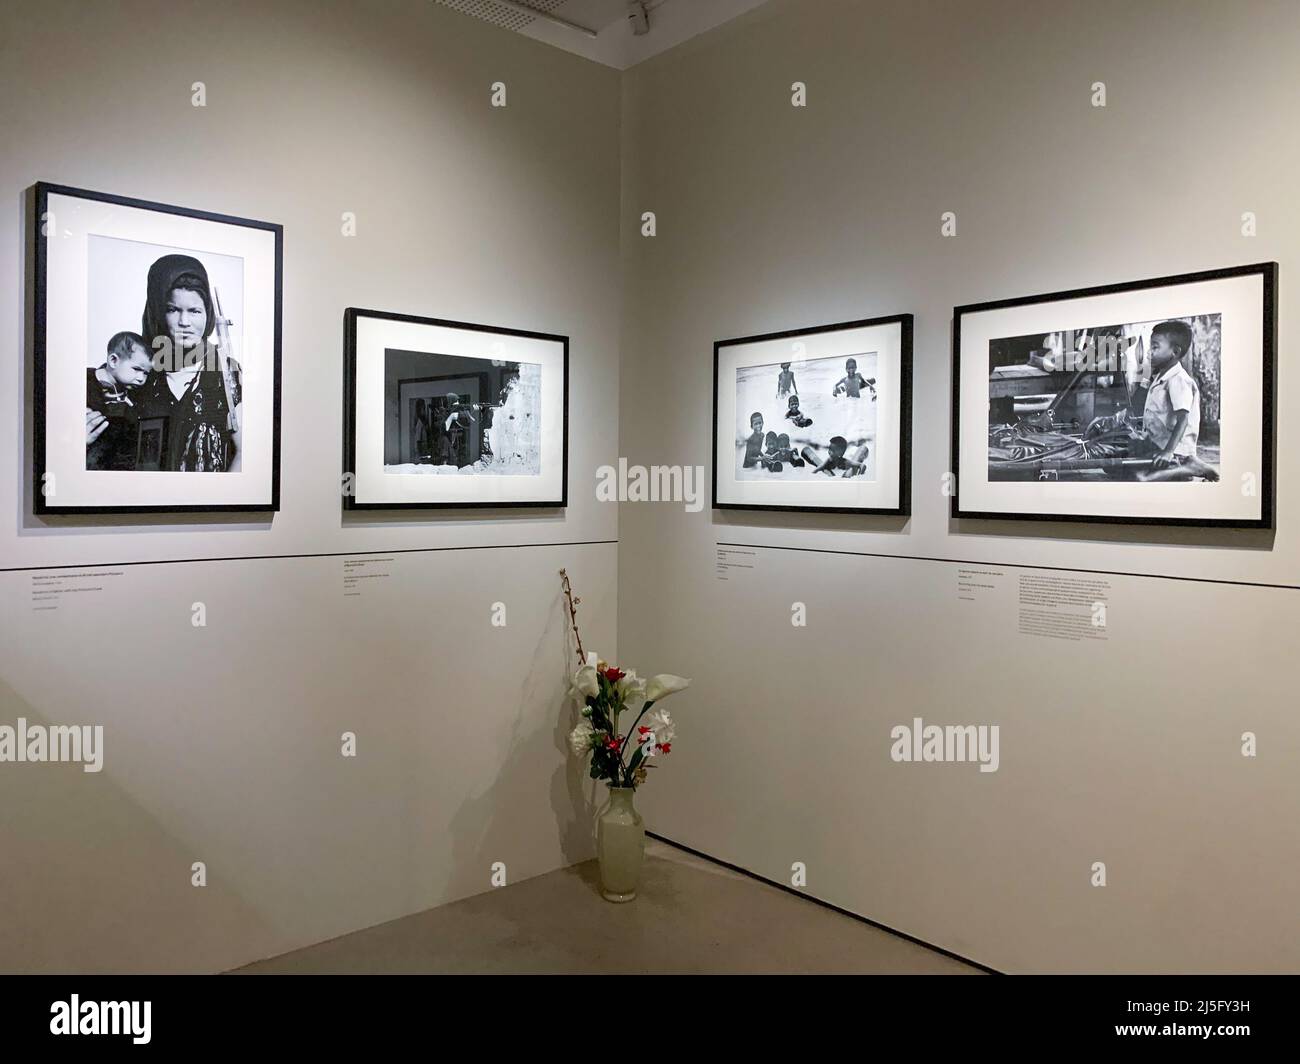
{"points": [[196, 386]]}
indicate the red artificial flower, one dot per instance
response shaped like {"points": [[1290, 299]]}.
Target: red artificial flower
{"points": [[613, 674], [611, 743], [665, 748]]}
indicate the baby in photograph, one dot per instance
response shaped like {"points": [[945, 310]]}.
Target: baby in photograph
{"points": [[111, 413]]}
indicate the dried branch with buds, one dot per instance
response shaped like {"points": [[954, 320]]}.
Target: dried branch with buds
{"points": [[573, 615]]}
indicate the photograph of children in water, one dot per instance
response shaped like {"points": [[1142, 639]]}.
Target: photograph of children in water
{"points": [[812, 419], [164, 384], [1116, 403]]}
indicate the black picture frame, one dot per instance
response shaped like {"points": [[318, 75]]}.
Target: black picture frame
{"points": [[904, 507], [40, 505], [350, 318], [1268, 271]]}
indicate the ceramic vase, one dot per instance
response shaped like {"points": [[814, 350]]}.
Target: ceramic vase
{"points": [[620, 845]]}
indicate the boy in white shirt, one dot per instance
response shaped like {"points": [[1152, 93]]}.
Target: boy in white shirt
{"points": [[1171, 419]]}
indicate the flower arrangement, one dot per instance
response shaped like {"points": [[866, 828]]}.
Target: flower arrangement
{"points": [[605, 692]]}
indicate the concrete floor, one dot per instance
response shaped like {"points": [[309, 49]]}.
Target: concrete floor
{"points": [[690, 916]]}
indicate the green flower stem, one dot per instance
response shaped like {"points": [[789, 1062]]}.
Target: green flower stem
{"points": [[644, 710]]}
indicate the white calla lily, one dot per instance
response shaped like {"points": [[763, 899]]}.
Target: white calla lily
{"points": [[631, 689], [663, 685], [585, 684]]}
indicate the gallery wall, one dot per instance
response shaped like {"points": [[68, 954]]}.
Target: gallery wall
{"points": [[223, 742], [1124, 748]]}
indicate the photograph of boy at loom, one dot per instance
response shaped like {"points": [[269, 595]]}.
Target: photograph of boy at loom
{"points": [[1135, 402]]}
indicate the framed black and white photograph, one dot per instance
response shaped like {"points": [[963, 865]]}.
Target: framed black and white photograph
{"points": [[448, 414], [157, 353], [1149, 402], [815, 419]]}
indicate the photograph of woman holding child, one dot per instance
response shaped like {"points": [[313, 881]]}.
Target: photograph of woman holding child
{"points": [[173, 374], [157, 347]]}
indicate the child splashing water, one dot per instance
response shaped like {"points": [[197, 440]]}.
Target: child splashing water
{"points": [[819, 408]]}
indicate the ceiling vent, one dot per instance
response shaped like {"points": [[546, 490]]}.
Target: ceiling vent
{"points": [[513, 14]]}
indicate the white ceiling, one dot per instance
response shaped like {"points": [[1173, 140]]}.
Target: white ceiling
{"points": [[671, 22]]}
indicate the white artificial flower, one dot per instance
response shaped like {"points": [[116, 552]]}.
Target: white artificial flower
{"points": [[582, 738], [631, 689], [663, 685], [585, 685], [662, 728]]}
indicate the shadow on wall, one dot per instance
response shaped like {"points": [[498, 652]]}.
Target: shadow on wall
{"points": [[734, 522], [1260, 539], [93, 872], [495, 825]]}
